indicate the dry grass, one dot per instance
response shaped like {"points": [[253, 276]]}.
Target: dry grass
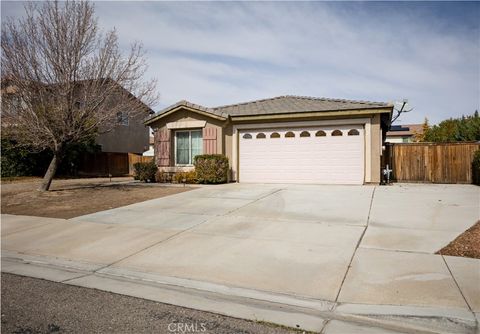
{"points": [[72, 198]]}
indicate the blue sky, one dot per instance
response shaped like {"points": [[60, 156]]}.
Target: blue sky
{"points": [[215, 53]]}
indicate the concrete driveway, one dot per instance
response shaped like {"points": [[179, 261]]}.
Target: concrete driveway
{"points": [[338, 251]]}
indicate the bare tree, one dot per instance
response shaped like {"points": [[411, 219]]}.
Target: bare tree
{"points": [[67, 80]]}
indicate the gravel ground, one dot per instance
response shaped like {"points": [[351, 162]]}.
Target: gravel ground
{"points": [[31, 305], [466, 244]]}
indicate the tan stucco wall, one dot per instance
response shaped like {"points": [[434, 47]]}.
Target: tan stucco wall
{"points": [[228, 142], [376, 149], [185, 116]]}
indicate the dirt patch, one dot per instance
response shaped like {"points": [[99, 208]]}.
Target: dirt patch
{"points": [[466, 244], [73, 198]]}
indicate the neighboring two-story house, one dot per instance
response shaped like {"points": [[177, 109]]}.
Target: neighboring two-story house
{"points": [[129, 136]]}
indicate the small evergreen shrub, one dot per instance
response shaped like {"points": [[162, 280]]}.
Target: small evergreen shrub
{"points": [[476, 168], [211, 168], [145, 171], [162, 177]]}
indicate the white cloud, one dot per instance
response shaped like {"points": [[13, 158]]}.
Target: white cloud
{"points": [[215, 53]]}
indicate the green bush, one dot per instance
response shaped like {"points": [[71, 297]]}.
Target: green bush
{"points": [[145, 171], [476, 168], [25, 161], [211, 168], [185, 177]]}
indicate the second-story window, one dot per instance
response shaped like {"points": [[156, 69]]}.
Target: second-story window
{"points": [[122, 118]]}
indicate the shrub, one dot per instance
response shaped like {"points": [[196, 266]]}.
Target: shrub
{"points": [[211, 168], [25, 161], [185, 177], [145, 171], [162, 177], [476, 168]]}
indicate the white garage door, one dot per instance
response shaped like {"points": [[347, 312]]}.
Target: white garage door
{"points": [[324, 155]]}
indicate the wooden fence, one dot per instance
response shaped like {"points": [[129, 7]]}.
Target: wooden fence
{"points": [[106, 163], [431, 162], [134, 158]]}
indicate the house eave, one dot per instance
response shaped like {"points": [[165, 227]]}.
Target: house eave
{"points": [[314, 114], [169, 112]]}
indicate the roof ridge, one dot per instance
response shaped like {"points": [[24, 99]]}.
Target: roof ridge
{"points": [[335, 99], [249, 102]]}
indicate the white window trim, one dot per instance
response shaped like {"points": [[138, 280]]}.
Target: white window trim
{"points": [[190, 164]]}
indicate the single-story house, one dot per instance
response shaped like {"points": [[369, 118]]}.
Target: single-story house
{"points": [[286, 139], [404, 133]]}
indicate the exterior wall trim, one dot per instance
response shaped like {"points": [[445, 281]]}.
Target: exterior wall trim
{"points": [[186, 125], [289, 116], [366, 122], [154, 119]]}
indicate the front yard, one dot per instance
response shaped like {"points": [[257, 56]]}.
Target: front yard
{"points": [[77, 197]]}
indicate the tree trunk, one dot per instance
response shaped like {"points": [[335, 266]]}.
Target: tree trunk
{"points": [[52, 169]]}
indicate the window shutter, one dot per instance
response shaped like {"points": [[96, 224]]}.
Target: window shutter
{"points": [[209, 140], [162, 147]]}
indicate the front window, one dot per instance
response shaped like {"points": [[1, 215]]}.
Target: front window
{"points": [[188, 144]]}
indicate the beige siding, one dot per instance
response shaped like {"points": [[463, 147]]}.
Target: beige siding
{"points": [[376, 149], [185, 116]]}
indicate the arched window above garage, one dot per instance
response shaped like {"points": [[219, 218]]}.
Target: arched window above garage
{"points": [[305, 134], [337, 133], [247, 136], [353, 132], [275, 135], [261, 135], [320, 133], [289, 134]]}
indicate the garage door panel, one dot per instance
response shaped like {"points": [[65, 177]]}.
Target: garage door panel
{"points": [[328, 159]]}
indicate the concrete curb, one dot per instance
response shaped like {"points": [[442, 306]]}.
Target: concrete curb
{"points": [[287, 310]]}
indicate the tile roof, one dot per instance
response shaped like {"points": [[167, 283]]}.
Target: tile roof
{"points": [[278, 105], [292, 104]]}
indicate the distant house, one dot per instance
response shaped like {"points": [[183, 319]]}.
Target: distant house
{"points": [[404, 133], [129, 136], [151, 150]]}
